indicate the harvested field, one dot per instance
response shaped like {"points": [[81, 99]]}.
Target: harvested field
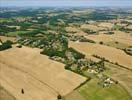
{"points": [[92, 27], [100, 37], [106, 25], [117, 44], [4, 95], [40, 77], [75, 95], [72, 29], [129, 27], [75, 30], [4, 38], [112, 54], [118, 36], [92, 58]]}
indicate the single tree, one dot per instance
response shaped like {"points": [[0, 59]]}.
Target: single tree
{"points": [[22, 91], [59, 97]]}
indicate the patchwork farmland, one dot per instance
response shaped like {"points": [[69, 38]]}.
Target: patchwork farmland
{"points": [[65, 53]]}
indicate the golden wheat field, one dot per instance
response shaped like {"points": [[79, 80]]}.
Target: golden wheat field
{"points": [[119, 36], [40, 77]]}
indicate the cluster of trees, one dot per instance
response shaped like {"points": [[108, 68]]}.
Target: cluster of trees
{"points": [[59, 97], [87, 40], [91, 16], [128, 51], [77, 55], [42, 20], [4, 29], [46, 39], [23, 25], [125, 30], [109, 33], [21, 13], [53, 44], [53, 52], [101, 16], [6, 45], [100, 65], [88, 31]]}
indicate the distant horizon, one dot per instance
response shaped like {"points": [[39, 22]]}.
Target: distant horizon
{"points": [[66, 3]]}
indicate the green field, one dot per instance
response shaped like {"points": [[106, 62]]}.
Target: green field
{"points": [[92, 91], [117, 27], [5, 20], [16, 33]]}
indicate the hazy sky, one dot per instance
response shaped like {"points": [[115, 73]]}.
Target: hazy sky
{"points": [[120, 3]]}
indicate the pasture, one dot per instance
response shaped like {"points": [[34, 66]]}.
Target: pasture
{"points": [[92, 91]]}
